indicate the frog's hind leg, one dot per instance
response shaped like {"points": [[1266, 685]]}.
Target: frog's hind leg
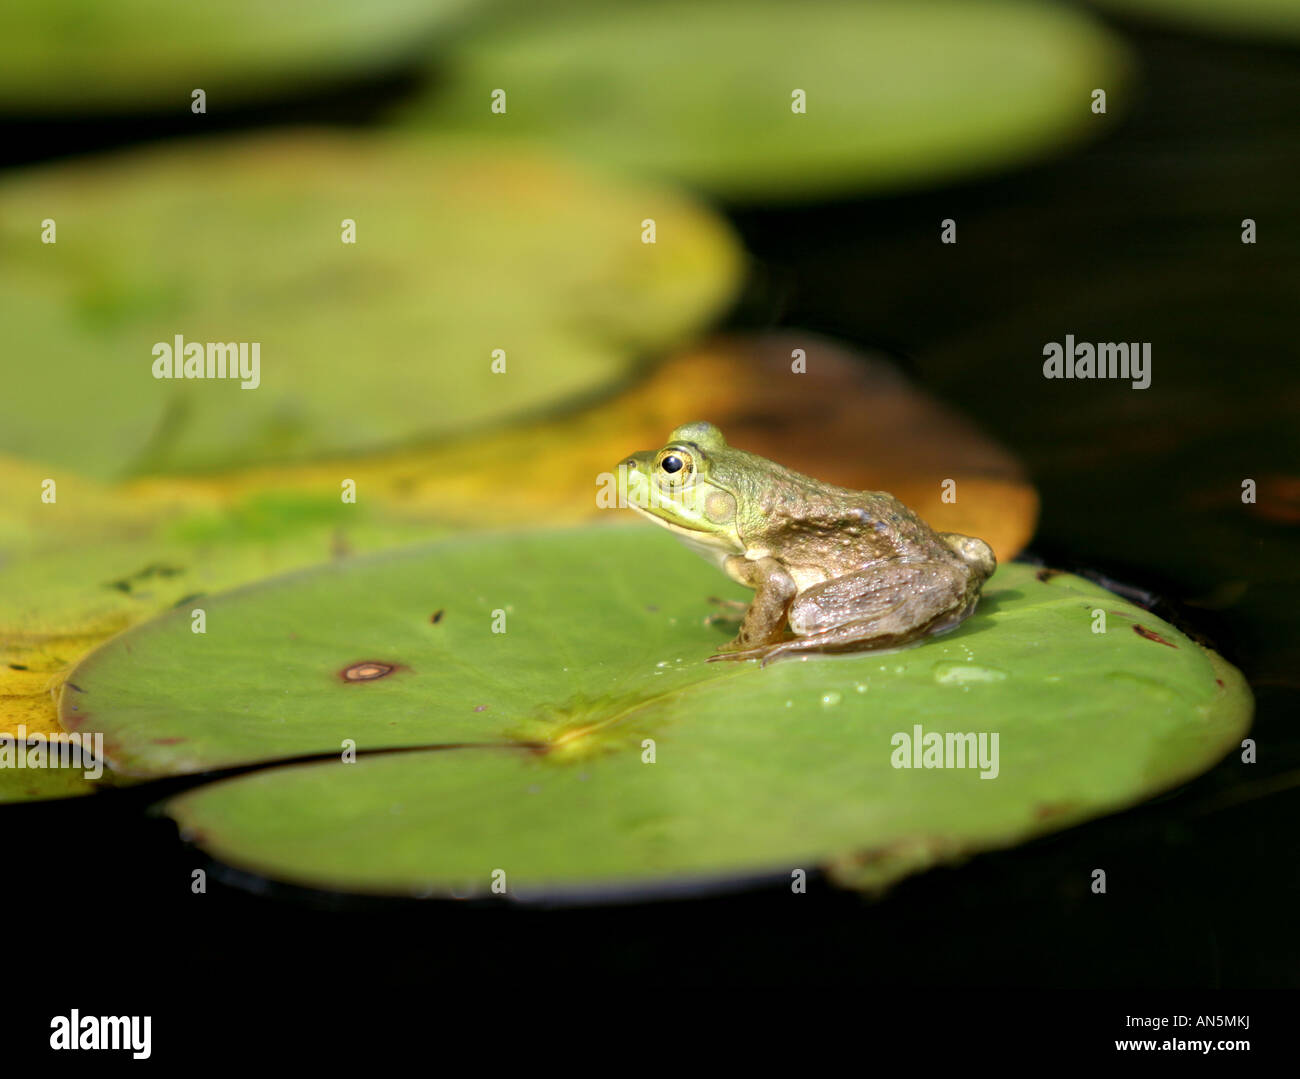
{"points": [[881, 608], [861, 636]]}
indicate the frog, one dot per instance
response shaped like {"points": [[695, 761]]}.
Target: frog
{"points": [[832, 569]]}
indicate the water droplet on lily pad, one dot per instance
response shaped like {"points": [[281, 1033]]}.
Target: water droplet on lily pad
{"points": [[964, 674]]}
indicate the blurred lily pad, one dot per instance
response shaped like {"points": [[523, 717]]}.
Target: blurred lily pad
{"points": [[810, 419], [1264, 19], [896, 94], [460, 251], [756, 771], [79, 56]]}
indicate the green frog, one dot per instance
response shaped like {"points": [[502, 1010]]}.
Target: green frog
{"points": [[833, 570]]}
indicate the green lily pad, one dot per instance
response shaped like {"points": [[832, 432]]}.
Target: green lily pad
{"points": [[80, 56], [757, 771], [460, 251], [897, 94], [77, 572], [1264, 19], [55, 606]]}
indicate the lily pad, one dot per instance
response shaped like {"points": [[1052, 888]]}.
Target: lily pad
{"points": [[460, 251], [80, 56], [897, 94], [107, 556], [1262, 19], [757, 771], [75, 572], [42, 784], [937, 461]]}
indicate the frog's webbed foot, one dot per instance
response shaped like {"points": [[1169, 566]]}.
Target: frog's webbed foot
{"points": [[730, 612], [759, 634], [767, 653], [744, 647], [734, 651], [731, 650]]}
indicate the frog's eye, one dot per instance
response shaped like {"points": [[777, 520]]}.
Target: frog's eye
{"points": [[676, 463]]}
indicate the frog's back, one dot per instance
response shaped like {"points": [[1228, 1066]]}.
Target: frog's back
{"points": [[894, 531], [815, 522]]}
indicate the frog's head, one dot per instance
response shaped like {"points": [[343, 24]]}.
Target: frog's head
{"points": [[689, 486]]}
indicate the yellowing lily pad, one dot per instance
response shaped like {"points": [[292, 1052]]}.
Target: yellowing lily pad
{"points": [[80, 56], [100, 558], [766, 99], [28, 783], [793, 396], [554, 665], [484, 284]]}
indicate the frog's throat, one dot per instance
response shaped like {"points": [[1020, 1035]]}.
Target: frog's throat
{"points": [[715, 549]]}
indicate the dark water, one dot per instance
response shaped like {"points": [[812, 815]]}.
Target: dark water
{"points": [[1135, 239]]}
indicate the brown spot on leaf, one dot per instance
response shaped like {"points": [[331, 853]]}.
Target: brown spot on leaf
{"points": [[73, 685], [436, 617], [368, 670], [168, 741], [1151, 635], [1046, 574], [1048, 810], [1219, 682]]}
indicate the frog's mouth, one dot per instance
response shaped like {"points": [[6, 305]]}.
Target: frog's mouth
{"points": [[713, 547]]}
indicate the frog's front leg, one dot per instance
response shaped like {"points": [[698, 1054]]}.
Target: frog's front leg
{"points": [[765, 620]]}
